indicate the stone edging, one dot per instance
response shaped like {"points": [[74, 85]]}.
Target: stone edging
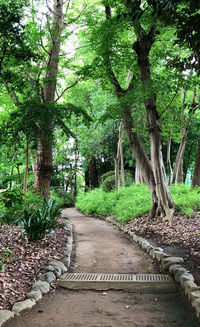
{"points": [[168, 264], [51, 271]]}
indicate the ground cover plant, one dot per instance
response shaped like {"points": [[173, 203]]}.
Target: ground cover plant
{"points": [[135, 201]]}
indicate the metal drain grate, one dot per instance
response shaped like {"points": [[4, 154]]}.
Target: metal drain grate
{"points": [[140, 283], [118, 277]]}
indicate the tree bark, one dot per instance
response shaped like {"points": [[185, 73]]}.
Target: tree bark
{"points": [[44, 165], [138, 176], [117, 176], [75, 168], [196, 173]]}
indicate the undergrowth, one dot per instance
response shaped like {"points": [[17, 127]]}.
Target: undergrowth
{"points": [[135, 201]]}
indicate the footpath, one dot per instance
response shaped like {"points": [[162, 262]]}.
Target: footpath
{"points": [[101, 248]]}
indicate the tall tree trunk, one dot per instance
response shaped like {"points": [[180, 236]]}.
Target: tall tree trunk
{"points": [[196, 173], [27, 164], [121, 155], [19, 175], [153, 172], [44, 165], [117, 176], [140, 156], [142, 47], [94, 180], [75, 168], [178, 168], [169, 160]]}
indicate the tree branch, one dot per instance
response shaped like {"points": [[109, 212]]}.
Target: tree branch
{"points": [[67, 88], [167, 107]]}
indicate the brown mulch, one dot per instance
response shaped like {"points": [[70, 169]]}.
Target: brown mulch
{"points": [[27, 262], [182, 232]]}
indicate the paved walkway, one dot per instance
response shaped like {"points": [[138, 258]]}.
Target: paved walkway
{"points": [[101, 248]]}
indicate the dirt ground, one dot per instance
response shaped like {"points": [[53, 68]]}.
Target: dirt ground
{"points": [[101, 248]]}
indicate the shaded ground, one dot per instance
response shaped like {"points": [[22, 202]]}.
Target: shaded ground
{"points": [[102, 248], [26, 261], [179, 237]]}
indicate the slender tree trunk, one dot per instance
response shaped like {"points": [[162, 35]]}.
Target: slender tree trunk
{"points": [[44, 165], [169, 160], [11, 175], [19, 175], [75, 169], [117, 176], [27, 165], [94, 180], [196, 173], [121, 155], [178, 168]]}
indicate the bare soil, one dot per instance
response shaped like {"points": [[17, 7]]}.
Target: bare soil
{"points": [[100, 248]]}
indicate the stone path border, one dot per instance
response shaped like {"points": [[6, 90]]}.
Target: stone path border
{"points": [[50, 272], [168, 264]]}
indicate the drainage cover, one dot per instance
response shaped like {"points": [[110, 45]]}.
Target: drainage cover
{"points": [[139, 283]]}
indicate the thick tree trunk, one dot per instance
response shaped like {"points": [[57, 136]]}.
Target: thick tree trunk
{"points": [[196, 173], [87, 180], [44, 165], [142, 47], [94, 180], [26, 170]]}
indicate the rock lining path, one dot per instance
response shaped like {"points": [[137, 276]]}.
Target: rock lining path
{"points": [[101, 248]]}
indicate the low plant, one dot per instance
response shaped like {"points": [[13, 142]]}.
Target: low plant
{"points": [[39, 222]]}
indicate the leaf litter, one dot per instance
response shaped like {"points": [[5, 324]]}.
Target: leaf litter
{"points": [[27, 260], [181, 231]]}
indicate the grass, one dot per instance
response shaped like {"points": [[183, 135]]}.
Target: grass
{"points": [[135, 201]]}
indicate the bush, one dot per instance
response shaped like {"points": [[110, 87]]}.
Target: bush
{"points": [[135, 201], [62, 197], [38, 223]]}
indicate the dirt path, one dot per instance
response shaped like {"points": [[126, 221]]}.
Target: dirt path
{"points": [[102, 248]]}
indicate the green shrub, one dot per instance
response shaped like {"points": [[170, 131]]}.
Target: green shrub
{"points": [[14, 202], [135, 201], [38, 223], [62, 197]]}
